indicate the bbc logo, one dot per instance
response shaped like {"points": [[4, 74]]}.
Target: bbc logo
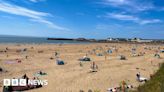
{"points": [[14, 82], [23, 82]]}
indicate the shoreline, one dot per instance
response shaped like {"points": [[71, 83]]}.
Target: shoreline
{"points": [[83, 42]]}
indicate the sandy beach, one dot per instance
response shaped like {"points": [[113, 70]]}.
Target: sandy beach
{"points": [[72, 77]]}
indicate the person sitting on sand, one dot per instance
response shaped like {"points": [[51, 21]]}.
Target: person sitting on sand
{"points": [[24, 76], [7, 48], [26, 57], [139, 78], [56, 54], [1, 69], [42, 73], [35, 78], [18, 60], [81, 65]]}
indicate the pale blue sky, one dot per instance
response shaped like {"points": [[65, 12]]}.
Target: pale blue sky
{"points": [[83, 18]]}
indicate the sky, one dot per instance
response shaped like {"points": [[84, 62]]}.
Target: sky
{"points": [[83, 18]]}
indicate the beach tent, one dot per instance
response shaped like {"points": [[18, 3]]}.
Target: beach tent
{"points": [[85, 58], [157, 56], [60, 62], [122, 57], [99, 54], [162, 51], [109, 51]]}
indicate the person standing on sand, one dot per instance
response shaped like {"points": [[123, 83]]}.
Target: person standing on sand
{"points": [[94, 67], [81, 65], [105, 57], [25, 77], [56, 53]]}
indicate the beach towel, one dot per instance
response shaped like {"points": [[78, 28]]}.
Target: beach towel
{"points": [[11, 62]]}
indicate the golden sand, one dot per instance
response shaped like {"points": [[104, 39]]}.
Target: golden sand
{"points": [[71, 77]]}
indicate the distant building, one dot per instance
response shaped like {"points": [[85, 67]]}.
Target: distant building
{"points": [[117, 39], [135, 39], [122, 39], [112, 39], [109, 39], [141, 40]]}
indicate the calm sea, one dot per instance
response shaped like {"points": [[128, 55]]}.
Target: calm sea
{"points": [[33, 40]]}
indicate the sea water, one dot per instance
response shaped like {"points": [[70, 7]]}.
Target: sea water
{"points": [[36, 40]]}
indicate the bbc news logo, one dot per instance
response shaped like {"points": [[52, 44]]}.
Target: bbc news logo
{"points": [[23, 82]]}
